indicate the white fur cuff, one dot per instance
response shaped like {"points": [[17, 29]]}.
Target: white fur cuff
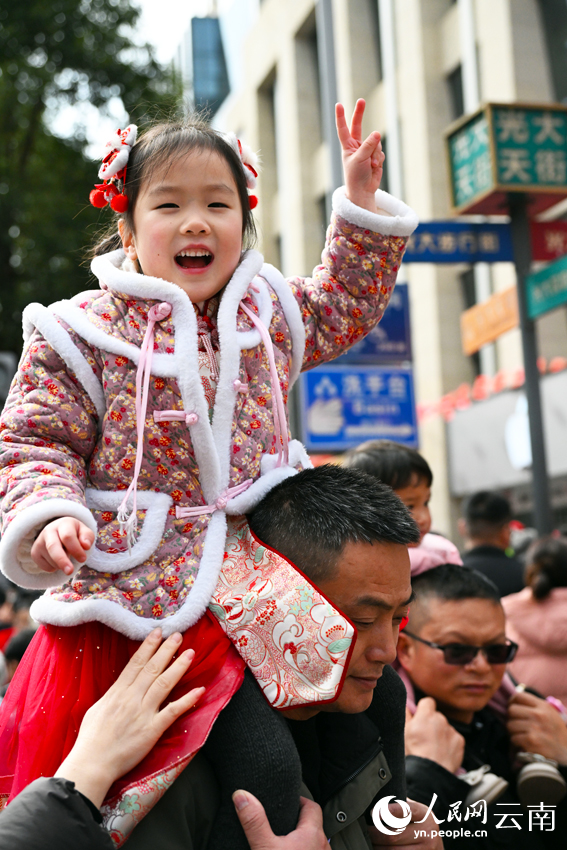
{"points": [[402, 220], [15, 548]]}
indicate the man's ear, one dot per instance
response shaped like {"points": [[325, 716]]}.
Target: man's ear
{"points": [[405, 651], [462, 526], [127, 240], [504, 535]]}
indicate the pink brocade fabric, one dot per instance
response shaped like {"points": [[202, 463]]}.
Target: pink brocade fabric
{"points": [[295, 642]]}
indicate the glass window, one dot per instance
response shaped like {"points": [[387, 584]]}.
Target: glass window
{"points": [[210, 76]]}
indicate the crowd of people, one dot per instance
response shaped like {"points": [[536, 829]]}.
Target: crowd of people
{"points": [[461, 714], [254, 653]]}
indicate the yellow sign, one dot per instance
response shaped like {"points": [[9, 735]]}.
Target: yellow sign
{"points": [[485, 322]]}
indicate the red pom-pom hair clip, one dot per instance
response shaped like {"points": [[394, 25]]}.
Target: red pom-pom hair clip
{"points": [[113, 171], [249, 162]]}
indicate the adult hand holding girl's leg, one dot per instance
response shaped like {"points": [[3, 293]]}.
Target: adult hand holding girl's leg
{"points": [[120, 729], [58, 542]]}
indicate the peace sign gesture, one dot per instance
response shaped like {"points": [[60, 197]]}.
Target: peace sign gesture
{"points": [[362, 160]]}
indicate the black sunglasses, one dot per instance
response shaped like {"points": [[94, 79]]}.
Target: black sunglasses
{"points": [[462, 653]]}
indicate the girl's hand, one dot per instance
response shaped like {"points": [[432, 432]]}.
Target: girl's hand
{"points": [[61, 540], [362, 161], [120, 729]]}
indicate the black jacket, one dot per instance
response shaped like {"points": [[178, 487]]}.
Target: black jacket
{"points": [[506, 573], [486, 742], [51, 815]]}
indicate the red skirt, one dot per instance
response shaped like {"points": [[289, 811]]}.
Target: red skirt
{"points": [[67, 669]]}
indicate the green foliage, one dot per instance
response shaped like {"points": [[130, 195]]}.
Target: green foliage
{"points": [[54, 54]]}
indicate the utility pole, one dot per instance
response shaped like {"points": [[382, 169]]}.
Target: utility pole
{"points": [[521, 242]]}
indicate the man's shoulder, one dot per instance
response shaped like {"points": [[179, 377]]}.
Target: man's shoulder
{"points": [[505, 571], [484, 552]]}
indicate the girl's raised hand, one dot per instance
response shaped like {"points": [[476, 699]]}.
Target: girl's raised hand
{"points": [[362, 160]]}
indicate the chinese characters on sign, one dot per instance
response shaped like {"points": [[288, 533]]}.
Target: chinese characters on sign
{"points": [[508, 147], [530, 146], [549, 239], [469, 151], [343, 406], [459, 242], [547, 289], [485, 322]]}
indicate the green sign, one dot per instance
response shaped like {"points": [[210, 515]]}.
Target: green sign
{"points": [[531, 146], [547, 289], [508, 147], [469, 151]]}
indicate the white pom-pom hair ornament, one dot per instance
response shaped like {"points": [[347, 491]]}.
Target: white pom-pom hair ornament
{"points": [[249, 162], [117, 152], [113, 171]]}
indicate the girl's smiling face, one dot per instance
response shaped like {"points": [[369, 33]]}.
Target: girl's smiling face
{"points": [[188, 225]]}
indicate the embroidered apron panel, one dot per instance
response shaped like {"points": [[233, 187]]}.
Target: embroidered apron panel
{"points": [[293, 639]]}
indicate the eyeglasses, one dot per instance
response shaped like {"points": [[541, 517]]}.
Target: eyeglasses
{"points": [[462, 653]]}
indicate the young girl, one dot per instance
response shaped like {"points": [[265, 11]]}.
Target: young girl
{"points": [[145, 411]]}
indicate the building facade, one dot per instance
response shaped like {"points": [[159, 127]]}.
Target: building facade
{"points": [[419, 64]]}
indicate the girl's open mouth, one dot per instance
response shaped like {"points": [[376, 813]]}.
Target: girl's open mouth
{"points": [[196, 259]]}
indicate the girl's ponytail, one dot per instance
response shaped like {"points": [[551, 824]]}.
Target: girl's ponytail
{"points": [[546, 566]]}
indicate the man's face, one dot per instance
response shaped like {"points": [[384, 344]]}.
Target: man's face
{"points": [[372, 587], [458, 690]]}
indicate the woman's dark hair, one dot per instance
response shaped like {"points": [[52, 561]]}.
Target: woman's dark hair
{"points": [[394, 464], [155, 150], [546, 566]]}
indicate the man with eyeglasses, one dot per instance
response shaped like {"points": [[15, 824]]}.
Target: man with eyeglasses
{"points": [[452, 657]]}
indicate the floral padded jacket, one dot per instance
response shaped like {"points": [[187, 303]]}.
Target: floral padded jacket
{"points": [[69, 429]]}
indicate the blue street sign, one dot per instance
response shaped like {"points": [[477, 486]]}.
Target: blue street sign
{"points": [[389, 341], [342, 406], [459, 242]]}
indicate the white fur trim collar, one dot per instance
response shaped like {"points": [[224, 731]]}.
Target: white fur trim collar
{"points": [[402, 220], [52, 611]]}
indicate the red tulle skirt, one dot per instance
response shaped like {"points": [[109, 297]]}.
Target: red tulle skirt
{"points": [[67, 669]]}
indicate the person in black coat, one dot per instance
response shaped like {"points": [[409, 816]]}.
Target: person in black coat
{"points": [[485, 526]]}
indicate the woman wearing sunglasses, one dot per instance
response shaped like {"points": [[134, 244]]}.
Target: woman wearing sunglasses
{"points": [[453, 657]]}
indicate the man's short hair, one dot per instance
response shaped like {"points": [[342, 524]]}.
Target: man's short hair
{"points": [[452, 583], [486, 512], [311, 516], [393, 464]]}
